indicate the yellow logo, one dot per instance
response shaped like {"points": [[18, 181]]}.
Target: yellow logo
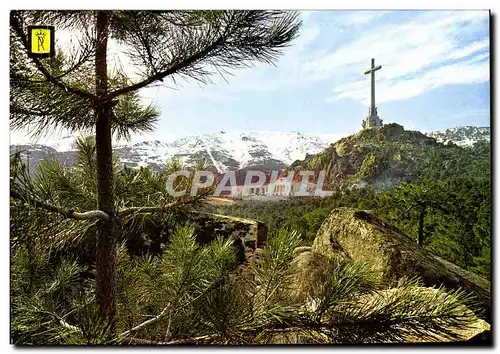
{"points": [[41, 41]]}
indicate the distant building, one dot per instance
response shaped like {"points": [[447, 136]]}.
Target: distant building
{"points": [[281, 188]]}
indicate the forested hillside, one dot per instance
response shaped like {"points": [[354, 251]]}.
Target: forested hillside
{"points": [[102, 253], [448, 203]]}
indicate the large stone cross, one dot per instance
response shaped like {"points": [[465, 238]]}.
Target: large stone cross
{"points": [[372, 72]]}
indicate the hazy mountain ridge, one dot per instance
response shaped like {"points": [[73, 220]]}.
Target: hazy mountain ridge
{"points": [[225, 151]]}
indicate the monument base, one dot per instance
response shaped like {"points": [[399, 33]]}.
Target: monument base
{"points": [[372, 121]]}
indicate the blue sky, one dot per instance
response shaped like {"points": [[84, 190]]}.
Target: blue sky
{"points": [[435, 75]]}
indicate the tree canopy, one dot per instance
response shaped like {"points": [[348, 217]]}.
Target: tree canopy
{"points": [[76, 90]]}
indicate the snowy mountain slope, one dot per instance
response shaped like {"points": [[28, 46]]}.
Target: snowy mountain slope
{"points": [[223, 151], [462, 136], [230, 150]]}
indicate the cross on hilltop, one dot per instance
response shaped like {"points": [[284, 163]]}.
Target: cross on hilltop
{"points": [[373, 120]]}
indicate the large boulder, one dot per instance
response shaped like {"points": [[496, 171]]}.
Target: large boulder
{"points": [[356, 234], [311, 270]]}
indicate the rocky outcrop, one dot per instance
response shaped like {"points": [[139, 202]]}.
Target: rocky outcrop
{"points": [[249, 234], [355, 234], [381, 156], [311, 270]]}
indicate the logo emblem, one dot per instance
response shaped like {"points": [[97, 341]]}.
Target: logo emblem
{"points": [[41, 41]]}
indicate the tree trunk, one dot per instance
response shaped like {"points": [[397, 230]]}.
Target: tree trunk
{"points": [[106, 249], [421, 227]]}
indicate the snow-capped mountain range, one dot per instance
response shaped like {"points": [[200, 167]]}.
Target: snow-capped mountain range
{"points": [[225, 151], [462, 136], [230, 150]]}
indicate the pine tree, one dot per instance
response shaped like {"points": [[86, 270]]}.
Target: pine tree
{"points": [[77, 91], [198, 295]]}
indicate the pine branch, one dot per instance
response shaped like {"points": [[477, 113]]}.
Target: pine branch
{"points": [[144, 341], [157, 209], [143, 324], [190, 340], [144, 210], [170, 71], [29, 112], [61, 321], [164, 311], [177, 341], [48, 76], [406, 325], [63, 211]]}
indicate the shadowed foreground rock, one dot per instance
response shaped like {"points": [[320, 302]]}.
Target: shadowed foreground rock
{"points": [[312, 270], [248, 234], [355, 234]]}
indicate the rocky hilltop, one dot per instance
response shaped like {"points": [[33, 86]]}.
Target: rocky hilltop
{"points": [[381, 157]]}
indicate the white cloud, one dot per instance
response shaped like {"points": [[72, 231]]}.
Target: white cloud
{"points": [[352, 18], [406, 49], [416, 56], [422, 40], [472, 48], [480, 57], [395, 89]]}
